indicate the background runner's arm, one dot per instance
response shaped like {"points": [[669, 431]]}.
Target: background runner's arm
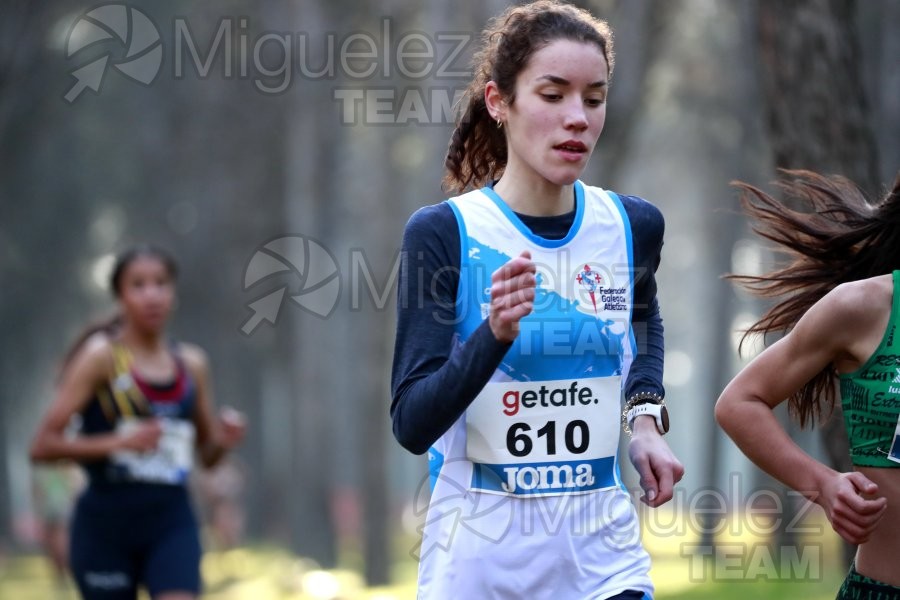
{"points": [[88, 370], [216, 435], [823, 335]]}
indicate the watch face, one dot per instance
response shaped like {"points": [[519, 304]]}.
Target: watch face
{"points": [[664, 415]]}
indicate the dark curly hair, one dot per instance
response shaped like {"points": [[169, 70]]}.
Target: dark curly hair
{"points": [[477, 151]]}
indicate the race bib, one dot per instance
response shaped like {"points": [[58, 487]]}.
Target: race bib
{"points": [[172, 460], [544, 438], [894, 453]]}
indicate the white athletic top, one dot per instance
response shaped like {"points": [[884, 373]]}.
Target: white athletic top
{"points": [[526, 499]]}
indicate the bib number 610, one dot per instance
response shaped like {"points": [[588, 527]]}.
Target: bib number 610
{"points": [[519, 442]]}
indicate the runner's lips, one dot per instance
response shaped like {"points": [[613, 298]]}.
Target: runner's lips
{"points": [[571, 146], [154, 315]]}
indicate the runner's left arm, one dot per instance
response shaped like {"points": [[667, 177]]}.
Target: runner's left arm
{"points": [[648, 227], [216, 434]]}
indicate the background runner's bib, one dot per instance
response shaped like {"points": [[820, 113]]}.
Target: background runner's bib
{"points": [[170, 463]]}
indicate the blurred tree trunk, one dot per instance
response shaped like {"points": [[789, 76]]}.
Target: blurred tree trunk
{"points": [[312, 383], [307, 374], [639, 28], [818, 115], [15, 48], [5, 500], [21, 46], [308, 209], [880, 49], [723, 220], [370, 321], [33, 286], [374, 358]]}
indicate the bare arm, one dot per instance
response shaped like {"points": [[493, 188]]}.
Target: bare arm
{"points": [[656, 464], [89, 369], [744, 410], [216, 435]]}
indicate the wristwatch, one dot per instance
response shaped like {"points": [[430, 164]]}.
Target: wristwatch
{"points": [[646, 403], [658, 411]]}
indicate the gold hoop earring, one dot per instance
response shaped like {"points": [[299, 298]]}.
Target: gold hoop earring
{"points": [[499, 124]]}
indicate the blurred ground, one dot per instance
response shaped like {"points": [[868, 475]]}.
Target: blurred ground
{"points": [[744, 566]]}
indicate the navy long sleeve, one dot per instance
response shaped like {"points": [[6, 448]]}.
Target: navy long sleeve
{"points": [[435, 378]]}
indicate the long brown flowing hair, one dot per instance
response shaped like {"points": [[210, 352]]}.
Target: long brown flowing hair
{"points": [[834, 236], [477, 151]]}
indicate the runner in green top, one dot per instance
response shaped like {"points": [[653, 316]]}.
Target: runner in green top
{"points": [[870, 397], [839, 313]]}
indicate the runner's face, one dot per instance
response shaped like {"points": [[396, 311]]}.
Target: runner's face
{"points": [[558, 112], [147, 293]]}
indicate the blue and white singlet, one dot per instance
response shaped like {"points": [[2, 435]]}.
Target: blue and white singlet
{"points": [[527, 500]]}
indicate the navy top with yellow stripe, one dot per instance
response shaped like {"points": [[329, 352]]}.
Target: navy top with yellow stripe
{"points": [[126, 394]]}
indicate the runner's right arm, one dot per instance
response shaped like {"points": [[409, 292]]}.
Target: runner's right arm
{"points": [[88, 370], [434, 377]]}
